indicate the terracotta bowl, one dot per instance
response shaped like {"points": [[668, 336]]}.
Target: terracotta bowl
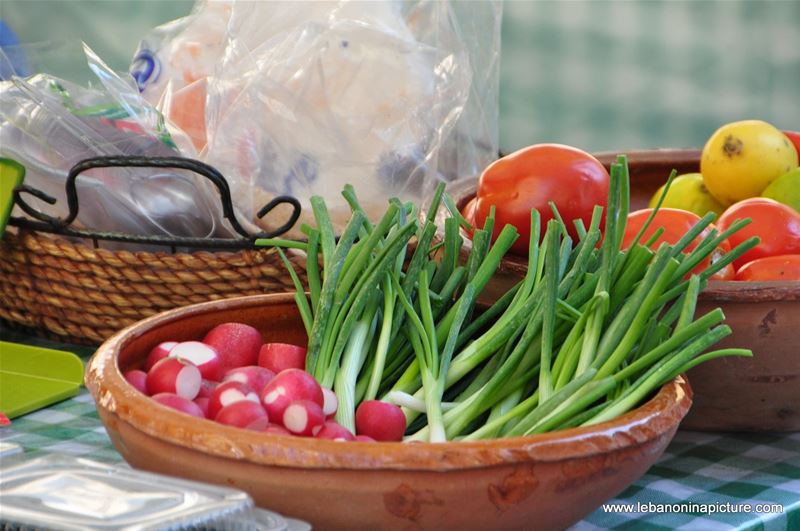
{"points": [[761, 393], [552, 480]]}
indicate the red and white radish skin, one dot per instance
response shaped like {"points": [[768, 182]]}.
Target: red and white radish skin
{"points": [[179, 403], [260, 424], [158, 353], [241, 413], [137, 379], [330, 403], [380, 420], [278, 357], [207, 388], [264, 425], [303, 418], [202, 401], [174, 375], [237, 344], [276, 429], [364, 438], [286, 387], [203, 356], [253, 376], [228, 393], [335, 432]]}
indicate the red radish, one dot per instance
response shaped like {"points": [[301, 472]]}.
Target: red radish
{"points": [[263, 425], [329, 402], [174, 375], [158, 353], [202, 401], [253, 376], [202, 356], [226, 394], [138, 379], [364, 438], [281, 356], [335, 432], [207, 388], [304, 418], [237, 344], [5, 421], [260, 424], [180, 403], [287, 386], [240, 413], [380, 420]]}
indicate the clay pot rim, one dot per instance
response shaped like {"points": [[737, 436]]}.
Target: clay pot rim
{"points": [[113, 394], [652, 157], [640, 160]]}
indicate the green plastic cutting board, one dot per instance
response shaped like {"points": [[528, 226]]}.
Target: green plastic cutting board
{"points": [[11, 175], [34, 377]]}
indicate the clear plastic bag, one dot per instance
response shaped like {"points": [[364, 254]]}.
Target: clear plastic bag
{"points": [[49, 124], [302, 98]]}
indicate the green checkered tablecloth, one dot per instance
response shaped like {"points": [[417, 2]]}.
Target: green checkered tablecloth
{"points": [[606, 74], [719, 470], [69, 427], [697, 468], [597, 74]]}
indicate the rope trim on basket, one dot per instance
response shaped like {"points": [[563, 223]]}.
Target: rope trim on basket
{"points": [[80, 294]]}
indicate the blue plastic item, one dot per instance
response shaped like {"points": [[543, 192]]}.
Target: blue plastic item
{"points": [[12, 58]]}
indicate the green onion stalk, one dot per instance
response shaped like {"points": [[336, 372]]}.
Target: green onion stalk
{"points": [[590, 332]]}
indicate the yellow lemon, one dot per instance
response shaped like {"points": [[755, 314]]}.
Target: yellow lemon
{"points": [[742, 158], [785, 189], [688, 192]]}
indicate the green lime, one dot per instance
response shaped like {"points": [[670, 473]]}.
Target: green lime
{"points": [[785, 189], [689, 192]]}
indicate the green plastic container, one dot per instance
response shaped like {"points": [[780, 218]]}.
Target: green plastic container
{"points": [[34, 377], [11, 175]]}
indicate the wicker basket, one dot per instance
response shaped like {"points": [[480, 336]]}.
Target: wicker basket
{"points": [[70, 290], [78, 294]]}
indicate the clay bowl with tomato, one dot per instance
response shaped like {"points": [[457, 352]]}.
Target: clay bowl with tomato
{"points": [[761, 393], [553, 479]]}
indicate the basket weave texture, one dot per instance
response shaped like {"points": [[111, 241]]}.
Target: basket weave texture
{"points": [[75, 293]]}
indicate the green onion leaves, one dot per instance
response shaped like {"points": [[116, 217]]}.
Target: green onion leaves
{"points": [[590, 332]]}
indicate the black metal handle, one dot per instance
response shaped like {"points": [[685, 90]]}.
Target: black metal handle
{"points": [[60, 225]]}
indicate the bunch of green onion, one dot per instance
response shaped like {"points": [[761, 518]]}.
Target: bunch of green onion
{"points": [[588, 334]]}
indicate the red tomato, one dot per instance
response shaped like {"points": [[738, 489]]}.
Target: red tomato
{"points": [[676, 223], [726, 273], [469, 211], [531, 177], [776, 224], [794, 136], [781, 267]]}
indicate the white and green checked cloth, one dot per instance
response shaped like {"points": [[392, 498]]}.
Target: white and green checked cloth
{"points": [[597, 74], [697, 468], [612, 74]]}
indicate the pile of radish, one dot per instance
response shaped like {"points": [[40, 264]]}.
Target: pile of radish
{"points": [[232, 378]]}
